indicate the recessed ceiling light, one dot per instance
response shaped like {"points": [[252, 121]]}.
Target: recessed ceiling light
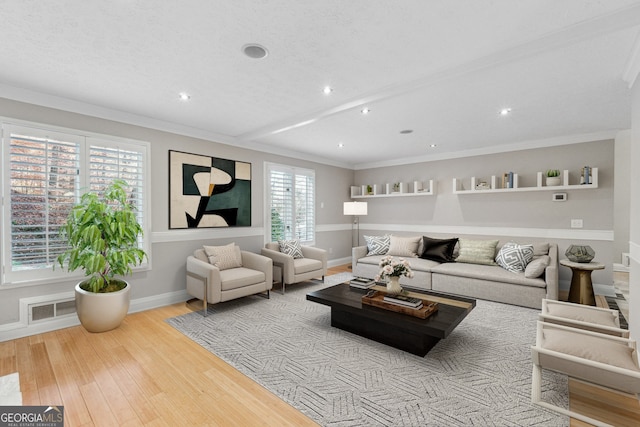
{"points": [[255, 51], [184, 96], [327, 90], [433, 146], [505, 111], [341, 145], [365, 110], [406, 131]]}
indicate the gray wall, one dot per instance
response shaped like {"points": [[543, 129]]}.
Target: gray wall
{"points": [[622, 195], [520, 215], [170, 248], [525, 216]]}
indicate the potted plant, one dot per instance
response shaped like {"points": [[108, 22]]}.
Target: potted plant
{"points": [[102, 237], [369, 189], [553, 177]]}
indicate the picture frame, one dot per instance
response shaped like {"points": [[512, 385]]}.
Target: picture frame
{"points": [[208, 192]]}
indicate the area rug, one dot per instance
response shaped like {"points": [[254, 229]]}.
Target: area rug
{"points": [[479, 376]]}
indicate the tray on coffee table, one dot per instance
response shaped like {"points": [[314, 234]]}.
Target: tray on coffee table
{"points": [[377, 300]]}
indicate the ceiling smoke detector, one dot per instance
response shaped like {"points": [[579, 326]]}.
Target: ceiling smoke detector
{"points": [[255, 51]]}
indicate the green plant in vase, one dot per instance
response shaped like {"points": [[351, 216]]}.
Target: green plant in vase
{"points": [[102, 237]]}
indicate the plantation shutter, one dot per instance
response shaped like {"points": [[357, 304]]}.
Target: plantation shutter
{"points": [[291, 203], [43, 180], [107, 163], [45, 171]]}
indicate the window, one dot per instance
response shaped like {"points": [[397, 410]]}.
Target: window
{"points": [[291, 203], [46, 171]]}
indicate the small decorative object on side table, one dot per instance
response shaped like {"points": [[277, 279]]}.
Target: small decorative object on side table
{"points": [[580, 253], [393, 269], [581, 291]]}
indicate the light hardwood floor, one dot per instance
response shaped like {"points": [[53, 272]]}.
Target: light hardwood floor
{"points": [[145, 373]]}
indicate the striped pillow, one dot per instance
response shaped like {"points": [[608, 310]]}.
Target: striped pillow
{"points": [[477, 251]]}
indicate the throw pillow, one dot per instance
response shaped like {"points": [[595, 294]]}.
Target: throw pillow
{"points": [[440, 250], [536, 267], [477, 251], [404, 246], [514, 257], [224, 257], [291, 247], [377, 245]]}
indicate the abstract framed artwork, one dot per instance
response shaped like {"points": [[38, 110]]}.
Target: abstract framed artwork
{"points": [[206, 192]]}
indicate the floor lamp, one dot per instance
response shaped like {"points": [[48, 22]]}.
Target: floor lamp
{"points": [[356, 209]]}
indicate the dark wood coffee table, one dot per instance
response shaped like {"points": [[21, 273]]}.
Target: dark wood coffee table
{"points": [[402, 331]]}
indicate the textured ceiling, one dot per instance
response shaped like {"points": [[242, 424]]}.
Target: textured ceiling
{"points": [[441, 68]]}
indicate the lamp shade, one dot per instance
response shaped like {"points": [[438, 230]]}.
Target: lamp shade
{"points": [[355, 208]]}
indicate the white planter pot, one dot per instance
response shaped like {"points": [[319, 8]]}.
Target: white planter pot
{"points": [[553, 181], [101, 312]]}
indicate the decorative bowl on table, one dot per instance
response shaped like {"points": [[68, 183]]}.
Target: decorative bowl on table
{"points": [[580, 253]]}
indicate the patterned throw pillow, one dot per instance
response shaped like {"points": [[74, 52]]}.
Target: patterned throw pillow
{"points": [[291, 247], [515, 257], [377, 245], [224, 257], [404, 246], [477, 251]]}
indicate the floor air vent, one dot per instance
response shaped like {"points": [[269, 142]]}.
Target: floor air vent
{"points": [[43, 311]]}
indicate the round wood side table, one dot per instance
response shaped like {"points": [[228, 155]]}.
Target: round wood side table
{"points": [[581, 291]]}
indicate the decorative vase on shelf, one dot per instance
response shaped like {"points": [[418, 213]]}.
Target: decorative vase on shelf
{"points": [[393, 285], [580, 253], [553, 181]]}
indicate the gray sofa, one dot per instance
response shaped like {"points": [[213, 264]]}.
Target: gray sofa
{"points": [[490, 282]]}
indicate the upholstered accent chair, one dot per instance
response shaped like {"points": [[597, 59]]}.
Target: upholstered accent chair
{"points": [[222, 273], [604, 360], [304, 263]]}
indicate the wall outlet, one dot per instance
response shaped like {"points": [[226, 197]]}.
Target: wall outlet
{"points": [[576, 223], [330, 250]]}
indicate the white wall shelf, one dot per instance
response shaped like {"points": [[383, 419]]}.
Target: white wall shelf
{"points": [[415, 188], [495, 186]]}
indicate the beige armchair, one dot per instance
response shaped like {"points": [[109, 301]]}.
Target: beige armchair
{"points": [[213, 284], [596, 319], [312, 265], [604, 360]]}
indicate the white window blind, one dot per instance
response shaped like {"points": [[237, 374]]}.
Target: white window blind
{"points": [[46, 171], [291, 203]]}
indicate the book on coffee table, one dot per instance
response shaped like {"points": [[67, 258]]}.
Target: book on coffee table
{"points": [[403, 300], [361, 283]]}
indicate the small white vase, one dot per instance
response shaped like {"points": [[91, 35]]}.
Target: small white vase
{"points": [[393, 285]]}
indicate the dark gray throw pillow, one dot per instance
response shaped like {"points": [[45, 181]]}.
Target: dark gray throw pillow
{"points": [[440, 250]]}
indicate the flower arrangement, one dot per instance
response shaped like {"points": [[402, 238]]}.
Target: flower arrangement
{"points": [[390, 267]]}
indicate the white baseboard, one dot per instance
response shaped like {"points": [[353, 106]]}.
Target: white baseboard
{"points": [[22, 329], [620, 268], [339, 261]]}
